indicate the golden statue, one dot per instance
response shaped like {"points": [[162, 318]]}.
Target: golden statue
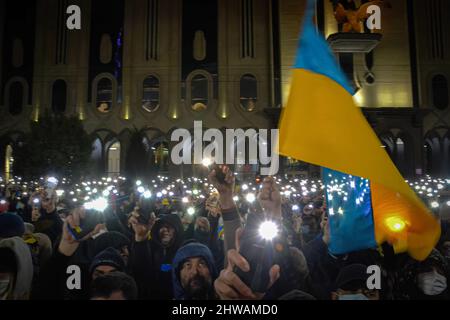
{"points": [[353, 20]]}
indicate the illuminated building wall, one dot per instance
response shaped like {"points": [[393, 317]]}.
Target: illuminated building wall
{"points": [[143, 64]]}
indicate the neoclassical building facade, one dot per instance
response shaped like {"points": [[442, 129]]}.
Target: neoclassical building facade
{"points": [[158, 65]]}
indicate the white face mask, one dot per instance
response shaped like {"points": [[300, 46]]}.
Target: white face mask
{"points": [[432, 283], [358, 296]]}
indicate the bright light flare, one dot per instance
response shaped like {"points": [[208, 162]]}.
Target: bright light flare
{"points": [[206, 162], [191, 211], [250, 197], [99, 204], [268, 230], [395, 224], [141, 189], [147, 194]]}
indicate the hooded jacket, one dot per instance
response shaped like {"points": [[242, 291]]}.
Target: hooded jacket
{"points": [[108, 239], [49, 224], [151, 262], [190, 250], [24, 273]]}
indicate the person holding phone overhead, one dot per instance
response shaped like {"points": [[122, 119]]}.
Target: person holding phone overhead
{"points": [[155, 244], [44, 215]]}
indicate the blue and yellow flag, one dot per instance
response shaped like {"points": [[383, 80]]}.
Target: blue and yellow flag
{"points": [[322, 125]]}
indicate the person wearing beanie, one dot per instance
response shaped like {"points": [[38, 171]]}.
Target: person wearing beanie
{"points": [[193, 273], [109, 260], [52, 284], [112, 239], [114, 286], [351, 284], [11, 225]]}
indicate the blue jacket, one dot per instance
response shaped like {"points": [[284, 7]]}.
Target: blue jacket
{"points": [[190, 250]]}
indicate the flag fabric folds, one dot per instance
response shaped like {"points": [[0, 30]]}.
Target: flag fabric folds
{"points": [[322, 125], [350, 215]]}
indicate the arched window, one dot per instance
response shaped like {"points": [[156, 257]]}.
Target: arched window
{"points": [[16, 99], [440, 91], [248, 92], [106, 49], [114, 159], [150, 98], [161, 156], [433, 153], [9, 160], [403, 157], [388, 144], [199, 46], [428, 157], [199, 93], [400, 155], [104, 95], [59, 96], [447, 155], [97, 156], [96, 153]]}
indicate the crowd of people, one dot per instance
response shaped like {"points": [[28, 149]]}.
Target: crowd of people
{"points": [[216, 237]]}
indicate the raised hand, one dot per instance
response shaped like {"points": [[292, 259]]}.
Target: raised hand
{"points": [[229, 286], [225, 189], [68, 244], [270, 199]]}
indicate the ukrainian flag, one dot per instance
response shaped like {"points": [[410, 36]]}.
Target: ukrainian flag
{"points": [[322, 125]]}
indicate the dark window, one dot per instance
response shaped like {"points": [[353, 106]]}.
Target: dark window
{"points": [[248, 92], [428, 158], [15, 98], [247, 29], [59, 96], [440, 92], [199, 92], [104, 95], [150, 98], [161, 156]]}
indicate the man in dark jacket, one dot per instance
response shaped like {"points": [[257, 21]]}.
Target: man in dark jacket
{"points": [[112, 239], [193, 273], [152, 255], [52, 283], [325, 267], [45, 218]]}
